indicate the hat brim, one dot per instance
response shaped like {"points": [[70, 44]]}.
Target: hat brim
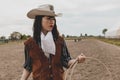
{"points": [[31, 14]]}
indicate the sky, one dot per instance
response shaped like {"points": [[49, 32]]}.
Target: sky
{"points": [[78, 16]]}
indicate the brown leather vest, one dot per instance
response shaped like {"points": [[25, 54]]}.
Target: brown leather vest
{"points": [[42, 67]]}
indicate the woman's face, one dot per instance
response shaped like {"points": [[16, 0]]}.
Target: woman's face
{"points": [[47, 23]]}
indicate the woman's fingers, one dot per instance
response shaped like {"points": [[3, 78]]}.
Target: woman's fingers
{"points": [[81, 58]]}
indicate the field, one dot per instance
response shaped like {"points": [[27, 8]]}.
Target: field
{"points": [[111, 41], [12, 59]]}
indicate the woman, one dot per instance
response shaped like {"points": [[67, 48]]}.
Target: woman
{"points": [[46, 53]]}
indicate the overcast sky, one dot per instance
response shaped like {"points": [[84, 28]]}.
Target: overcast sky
{"points": [[79, 16]]}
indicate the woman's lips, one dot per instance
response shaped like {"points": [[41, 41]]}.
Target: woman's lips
{"points": [[51, 26]]}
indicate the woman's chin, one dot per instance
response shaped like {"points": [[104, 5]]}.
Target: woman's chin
{"points": [[50, 29]]}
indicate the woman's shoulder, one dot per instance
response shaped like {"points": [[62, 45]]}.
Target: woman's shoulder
{"points": [[29, 41], [61, 38]]}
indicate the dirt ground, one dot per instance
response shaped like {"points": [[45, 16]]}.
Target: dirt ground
{"points": [[12, 59]]}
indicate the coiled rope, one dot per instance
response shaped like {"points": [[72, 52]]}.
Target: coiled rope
{"points": [[73, 65]]}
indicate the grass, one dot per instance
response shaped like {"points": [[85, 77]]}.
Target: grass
{"points": [[12, 42], [111, 41]]}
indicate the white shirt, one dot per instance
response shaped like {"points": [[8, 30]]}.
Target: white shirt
{"points": [[47, 44]]}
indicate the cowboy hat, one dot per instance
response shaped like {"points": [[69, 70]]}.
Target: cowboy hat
{"points": [[46, 9]]}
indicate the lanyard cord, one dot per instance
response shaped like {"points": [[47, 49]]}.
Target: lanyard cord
{"points": [[72, 66]]}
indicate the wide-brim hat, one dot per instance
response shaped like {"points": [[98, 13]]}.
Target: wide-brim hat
{"points": [[45, 10]]}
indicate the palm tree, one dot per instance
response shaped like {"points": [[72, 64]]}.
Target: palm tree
{"points": [[104, 31]]}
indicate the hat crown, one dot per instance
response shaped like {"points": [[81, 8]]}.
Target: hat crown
{"points": [[46, 10], [46, 7]]}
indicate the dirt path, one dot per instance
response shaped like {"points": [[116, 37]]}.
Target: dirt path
{"points": [[91, 69], [12, 59]]}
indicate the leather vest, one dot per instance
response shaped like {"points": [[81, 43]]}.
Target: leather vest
{"points": [[44, 68]]}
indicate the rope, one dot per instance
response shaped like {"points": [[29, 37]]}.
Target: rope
{"points": [[72, 66]]}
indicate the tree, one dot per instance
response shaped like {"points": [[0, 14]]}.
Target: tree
{"points": [[63, 35], [85, 35], [104, 31], [3, 37], [67, 36], [24, 36], [15, 36], [81, 35]]}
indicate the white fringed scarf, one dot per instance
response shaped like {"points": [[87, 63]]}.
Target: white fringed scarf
{"points": [[47, 44]]}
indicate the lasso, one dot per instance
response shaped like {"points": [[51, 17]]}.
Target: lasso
{"points": [[72, 66]]}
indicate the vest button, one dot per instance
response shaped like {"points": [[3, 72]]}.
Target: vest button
{"points": [[50, 66], [51, 75]]}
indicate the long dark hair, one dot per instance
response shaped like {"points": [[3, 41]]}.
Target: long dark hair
{"points": [[37, 26]]}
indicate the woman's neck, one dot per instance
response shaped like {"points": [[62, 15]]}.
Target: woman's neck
{"points": [[44, 32]]}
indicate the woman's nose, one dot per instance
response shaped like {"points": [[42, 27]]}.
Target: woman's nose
{"points": [[51, 21]]}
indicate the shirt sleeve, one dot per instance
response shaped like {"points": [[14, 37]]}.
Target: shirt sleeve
{"points": [[65, 57], [27, 65]]}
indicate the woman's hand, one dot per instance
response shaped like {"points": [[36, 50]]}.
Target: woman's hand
{"points": [[25, 75], [81, 58]]}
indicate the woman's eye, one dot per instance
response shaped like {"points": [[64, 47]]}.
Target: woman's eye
{"points": [[48, 18]]}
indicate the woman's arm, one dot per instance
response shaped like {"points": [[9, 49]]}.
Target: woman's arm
{"points": [[66, 58], [71, 62], [25, 75], [27, 66]]}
